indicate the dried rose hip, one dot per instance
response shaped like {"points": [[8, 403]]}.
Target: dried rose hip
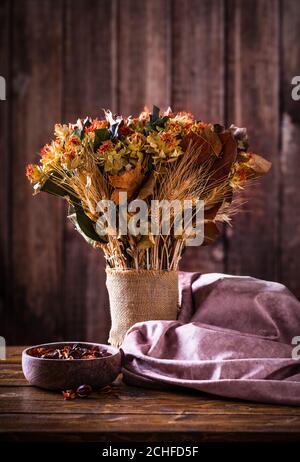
{"points": [[69, 394], [83, 391]]}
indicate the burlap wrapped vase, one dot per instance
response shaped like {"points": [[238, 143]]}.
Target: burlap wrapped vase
{"points": [[140, 295]]}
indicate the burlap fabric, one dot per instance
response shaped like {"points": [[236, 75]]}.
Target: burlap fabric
{"points": [[140, 295]]}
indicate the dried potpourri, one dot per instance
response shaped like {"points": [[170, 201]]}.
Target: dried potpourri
{"points": [[69, 352]]}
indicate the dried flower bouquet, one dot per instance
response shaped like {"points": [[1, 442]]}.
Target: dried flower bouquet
{"points": [[169, 156]]}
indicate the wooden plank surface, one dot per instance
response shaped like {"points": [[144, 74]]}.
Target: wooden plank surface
{"points": [[36, 248], [143, 57], [252, 101], [198, 87], [87, 90], [230, 60], [127, 413], [13, 355], [26, 399], [290, 142], [108, 427]]}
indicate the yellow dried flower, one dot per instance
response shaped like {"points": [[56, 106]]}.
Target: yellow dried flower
{"points": [[165, 144], [62, 132]]}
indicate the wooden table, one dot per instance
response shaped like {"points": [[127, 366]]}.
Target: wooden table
{"points": [[134, 414]]}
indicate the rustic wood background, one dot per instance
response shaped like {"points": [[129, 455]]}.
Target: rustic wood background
{"points": [[225, 60]]}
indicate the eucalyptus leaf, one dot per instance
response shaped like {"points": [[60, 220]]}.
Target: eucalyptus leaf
{"points": [[155, 121], [51, 187], [73, 218], [155, 114], [101, 134], [87, 226], [86, 123]]}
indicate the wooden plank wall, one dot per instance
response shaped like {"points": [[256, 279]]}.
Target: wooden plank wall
{"points": [[227, 61]]}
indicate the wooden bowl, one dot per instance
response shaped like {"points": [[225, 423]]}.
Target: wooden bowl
{"points": [[61, 374]]}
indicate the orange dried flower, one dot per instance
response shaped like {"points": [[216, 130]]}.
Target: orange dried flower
{"points": [[202, 125], [96, 123], [29, 171], [105, 147], [69, 394], [69, 155], [74, 140], [45, 150], [124, 130]]}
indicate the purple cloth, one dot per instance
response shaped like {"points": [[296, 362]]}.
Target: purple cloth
{"points": [[233, 338]]}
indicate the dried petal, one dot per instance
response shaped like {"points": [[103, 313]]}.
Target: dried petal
{"points": [[214, 140], [258, 164], [69, 394]]}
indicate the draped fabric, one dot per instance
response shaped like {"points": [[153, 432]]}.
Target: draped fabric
{"points": [[234, 338]]}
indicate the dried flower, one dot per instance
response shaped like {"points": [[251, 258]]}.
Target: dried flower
{"points": [[96, 124], [34, 173], [106, 147], [156, 155], [69, 394]]}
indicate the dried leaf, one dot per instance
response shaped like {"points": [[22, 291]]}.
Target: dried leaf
{"points": [[148, 187], [222, 166], [199, 145], [214, 140], [85, 225], [212, 212], [205, 145], [51, 186], [211, 232], [258, 164], [218, 128], [129, 182]]}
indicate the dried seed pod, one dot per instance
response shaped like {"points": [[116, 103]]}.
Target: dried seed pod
{"points": [[83, 391]]}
